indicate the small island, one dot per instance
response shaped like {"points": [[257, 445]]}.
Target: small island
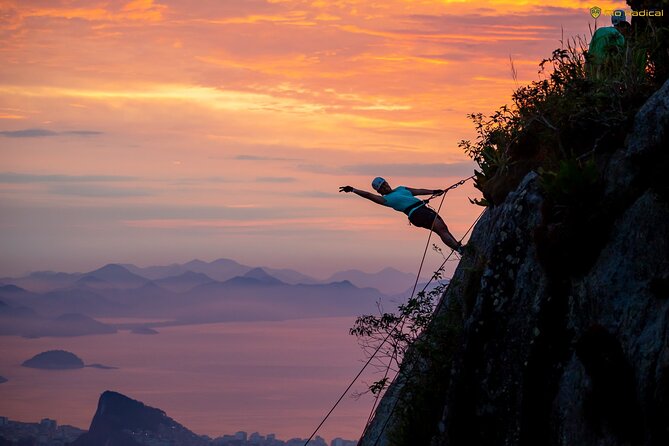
{"points": [[3, 379], [54, 360]]}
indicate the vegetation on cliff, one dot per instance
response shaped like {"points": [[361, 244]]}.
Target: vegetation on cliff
{"points": [[497, 362]]}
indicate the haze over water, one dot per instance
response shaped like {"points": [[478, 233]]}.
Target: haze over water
{"points": [[271, 377]]}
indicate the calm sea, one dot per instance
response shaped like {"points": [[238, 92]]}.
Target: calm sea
{"points": [[271, 377]]}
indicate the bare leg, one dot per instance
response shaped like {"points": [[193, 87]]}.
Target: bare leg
{"points": [[442, 231]]}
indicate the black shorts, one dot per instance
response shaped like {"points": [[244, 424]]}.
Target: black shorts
{"points": [[423, 217]]}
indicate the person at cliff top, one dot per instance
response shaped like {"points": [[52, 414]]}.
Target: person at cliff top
{"points": [[608, 41], [403, 199]]}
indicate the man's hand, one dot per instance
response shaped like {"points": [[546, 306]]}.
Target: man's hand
{"points": [[438, 192], [346, 189]]}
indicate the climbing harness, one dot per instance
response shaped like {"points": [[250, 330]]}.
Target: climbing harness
{"points": [[441, 193], [401, 320]]}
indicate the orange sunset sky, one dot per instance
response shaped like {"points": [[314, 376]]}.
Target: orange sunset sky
{"points": [[160, 131]]}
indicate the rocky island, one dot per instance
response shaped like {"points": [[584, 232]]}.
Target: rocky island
{"points": [[54, 360]]}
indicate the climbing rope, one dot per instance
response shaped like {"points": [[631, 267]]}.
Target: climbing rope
{"points": [[453, 186], [413, 364], [446, 259], [401, 320]]}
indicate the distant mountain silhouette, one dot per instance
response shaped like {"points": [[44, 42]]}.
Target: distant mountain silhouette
{"points": [[184, 281], [71, 300], [15, 311], [12, 289], [174, 277], [290, 276], [54, 360], [23, 321], [93, 283], [196, 291], [76, 324], [122, 421], [42, 281], [117, 276], [220, 270], [256, 276], [156, 272], [388, 280]]}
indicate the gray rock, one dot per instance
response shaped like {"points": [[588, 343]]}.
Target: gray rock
{"points": [[546, 354]]}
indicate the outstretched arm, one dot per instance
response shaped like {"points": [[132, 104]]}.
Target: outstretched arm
{"points": [[425, 191], [364, 194]]}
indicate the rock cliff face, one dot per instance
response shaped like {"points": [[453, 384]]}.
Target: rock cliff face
{"points": [[555, 328]]}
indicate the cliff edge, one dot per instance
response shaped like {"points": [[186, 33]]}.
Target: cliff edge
{"points": [[555, 327]]}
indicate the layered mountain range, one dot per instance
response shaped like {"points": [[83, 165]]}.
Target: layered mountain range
{"points": [[49, 303]]}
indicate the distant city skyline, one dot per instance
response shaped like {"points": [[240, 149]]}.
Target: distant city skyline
{"points": [[50, 433]]}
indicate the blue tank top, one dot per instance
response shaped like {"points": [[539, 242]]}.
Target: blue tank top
{"points": [[400, 199]]}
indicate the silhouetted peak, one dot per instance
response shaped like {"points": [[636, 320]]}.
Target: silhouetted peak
{"points": [[48, 274], [117, 275], [119, 411], [111, 268], [122, 421], [261, 275], [343, 284], [91, 280], [192, 275], [225, 262], [10, 288]]}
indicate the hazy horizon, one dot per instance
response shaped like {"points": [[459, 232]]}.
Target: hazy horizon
{"points": [[272, 377], [371, 269]]}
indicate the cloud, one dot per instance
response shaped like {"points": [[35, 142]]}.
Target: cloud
{"points": [[189, 181], [276, 179], [463, 169], [40, 133], [23, 178], [98, 191], [316, 194], [96, 212], [82, 133], [28, 133], [260, 158]]}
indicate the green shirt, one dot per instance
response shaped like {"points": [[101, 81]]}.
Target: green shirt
{"points": [[605, 42]]}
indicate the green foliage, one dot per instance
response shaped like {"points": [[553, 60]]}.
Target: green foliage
{"points": [[412, 337], [490, 150], [396, 331], [428, 367], [571, 183], [569, 112]]}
